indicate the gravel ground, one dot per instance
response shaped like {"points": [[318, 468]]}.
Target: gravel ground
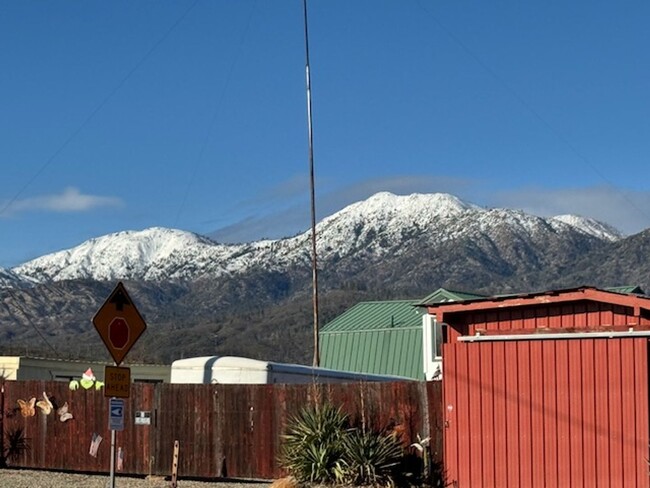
{"points": [[13, 478]]}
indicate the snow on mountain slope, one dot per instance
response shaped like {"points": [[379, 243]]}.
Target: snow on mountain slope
{"points": [[372, 228], [10, 279], [381, 225], [152, 254], [383, 221], [590, 226]]}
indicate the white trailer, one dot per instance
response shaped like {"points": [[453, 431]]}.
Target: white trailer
{"points": [[238, 370]]}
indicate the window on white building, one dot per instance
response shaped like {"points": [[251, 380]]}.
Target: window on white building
{"points": [[436, 347]]}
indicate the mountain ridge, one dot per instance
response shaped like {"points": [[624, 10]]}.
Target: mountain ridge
{"points": [[200, 297], [161, 254]]}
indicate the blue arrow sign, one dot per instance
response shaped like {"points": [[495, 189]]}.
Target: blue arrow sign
{"points": [[116, 409]]}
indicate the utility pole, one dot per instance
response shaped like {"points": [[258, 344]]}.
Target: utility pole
{"points": [[314, 261]]}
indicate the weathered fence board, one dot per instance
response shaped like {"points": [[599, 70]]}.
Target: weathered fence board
{"points": [[223, 430]]}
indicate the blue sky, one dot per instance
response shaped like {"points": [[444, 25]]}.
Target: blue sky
{"points": [[191, 114]]}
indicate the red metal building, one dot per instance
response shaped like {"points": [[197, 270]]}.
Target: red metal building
{"points": [[546, 389]]}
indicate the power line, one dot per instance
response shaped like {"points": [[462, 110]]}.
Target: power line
{"points": [[16, 304], [96, 110], [524, 103], [215, 114]]}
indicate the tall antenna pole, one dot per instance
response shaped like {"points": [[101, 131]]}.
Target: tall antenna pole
{"points": [[314, 262]]}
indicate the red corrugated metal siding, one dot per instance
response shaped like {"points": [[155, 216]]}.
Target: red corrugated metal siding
{"points": [[577, 315], [552, 413]]}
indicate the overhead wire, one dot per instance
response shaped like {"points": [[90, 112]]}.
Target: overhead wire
{"points": [[524, 103], [215, 115], [17, 305], [74, 134], [97, 109]]}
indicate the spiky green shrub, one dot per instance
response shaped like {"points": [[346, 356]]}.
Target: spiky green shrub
{"points": [[312, 444], [370, 458], [319, 447]]}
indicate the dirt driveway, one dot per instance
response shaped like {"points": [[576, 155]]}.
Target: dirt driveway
{"points": [[14, 478]]}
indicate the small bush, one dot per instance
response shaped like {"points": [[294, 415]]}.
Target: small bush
{"points": [[319, 447], [370, 458], [312, 445]]}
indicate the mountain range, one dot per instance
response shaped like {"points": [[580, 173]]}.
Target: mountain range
{"points": [[254, 299]]}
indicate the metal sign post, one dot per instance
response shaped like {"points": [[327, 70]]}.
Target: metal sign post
{"points": [[120, 325], [115, 423], [112, 472]]}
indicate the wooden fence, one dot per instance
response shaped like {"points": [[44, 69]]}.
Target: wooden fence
{"points": [[225, 431]]}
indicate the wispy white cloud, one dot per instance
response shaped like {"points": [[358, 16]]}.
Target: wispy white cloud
{"points": [[627, 211], [277, 225], [70, 200], [295, 187]]}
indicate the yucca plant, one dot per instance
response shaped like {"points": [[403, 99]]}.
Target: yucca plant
{"points": [[312, 444], [370, 458]]}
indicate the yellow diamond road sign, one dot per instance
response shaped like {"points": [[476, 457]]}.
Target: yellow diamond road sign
{"points": [[119, 323]]}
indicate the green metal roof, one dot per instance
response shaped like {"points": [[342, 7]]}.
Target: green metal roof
{"points": [[376, 338], [442, 295], [395, 351], [626, 289], [377, 315], [382, 337]]}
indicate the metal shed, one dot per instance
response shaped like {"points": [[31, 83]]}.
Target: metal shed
{"points": [[547, 389], [381, 337], [377, 338]]}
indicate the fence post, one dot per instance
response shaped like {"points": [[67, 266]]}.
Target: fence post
{"points": [[175, 465], [3, 461], [424, 405]]}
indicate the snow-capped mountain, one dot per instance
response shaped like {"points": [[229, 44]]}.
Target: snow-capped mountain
{"points": [[152, 254], [201, 297], [383, 225], [439, 217]]}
